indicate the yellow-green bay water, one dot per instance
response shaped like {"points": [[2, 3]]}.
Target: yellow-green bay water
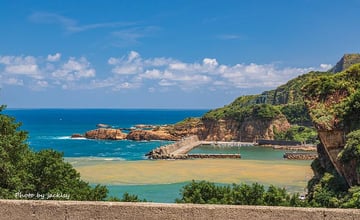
{"points": [[160, 180]]}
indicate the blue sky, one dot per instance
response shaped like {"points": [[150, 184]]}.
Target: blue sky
{"points": [[165, 54]]}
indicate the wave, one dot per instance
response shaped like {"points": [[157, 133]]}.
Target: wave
{"points": [[91, 158], [62, 138], [67, 138]]}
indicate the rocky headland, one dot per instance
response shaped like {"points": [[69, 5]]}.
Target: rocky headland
{"points": [[206, 129]]}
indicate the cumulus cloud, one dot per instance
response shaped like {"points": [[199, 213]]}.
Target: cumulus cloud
{"points": [[325, 67], [169, 72], [131, 64], [39, 73], [20, 65], [132, 71], [73, 70], [54, 58]]}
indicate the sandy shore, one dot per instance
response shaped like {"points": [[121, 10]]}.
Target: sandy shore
{"points": [[280, 172]]}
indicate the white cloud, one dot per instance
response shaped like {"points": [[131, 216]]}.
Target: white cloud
{"points": [[20, 65], [42, 83], [178, 66], [325, 67], [74, 69], [14, 81], [133, 72], [71, 25], [169, 72], [165, 82], [210, 62], [127, 65], [152, 74], [54, 58], [126, 85]]}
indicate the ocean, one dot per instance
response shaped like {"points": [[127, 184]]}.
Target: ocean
{"points": [[52, 128]]}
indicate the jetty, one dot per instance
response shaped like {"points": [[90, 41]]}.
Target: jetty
{"points": [[300, 156], [180, 149]]}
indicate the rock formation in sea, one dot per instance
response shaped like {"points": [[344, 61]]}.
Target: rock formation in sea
{"points": [[77, 136], [139, 135], [106, 133]]}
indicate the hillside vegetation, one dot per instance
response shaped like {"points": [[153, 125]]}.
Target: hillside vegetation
{"points": [[330, 101], [286, 100], [334, 100], [334, 104]]}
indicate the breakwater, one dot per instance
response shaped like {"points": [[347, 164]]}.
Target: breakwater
{"points": [[228, 143], [214, 156], [39, 210], [278, 142], [300, 156], [175, 150], [180, 149]]}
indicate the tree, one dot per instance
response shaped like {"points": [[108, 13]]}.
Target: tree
{"points": [[204, 192], [14, 155], [276, 196], [45, 173]]}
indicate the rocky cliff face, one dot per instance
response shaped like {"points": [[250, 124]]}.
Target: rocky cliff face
{"points": [[345, 62], [332, 101], [249, 130], [216, 130]]}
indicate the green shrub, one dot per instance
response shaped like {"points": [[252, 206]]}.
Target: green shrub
{"points": [[204, 192]]}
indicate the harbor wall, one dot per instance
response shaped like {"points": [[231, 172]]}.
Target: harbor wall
{"points": [[27, 209], [300, 156], [278, 142], [174, 149]]}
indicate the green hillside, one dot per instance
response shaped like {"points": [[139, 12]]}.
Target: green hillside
{"points": [[334, 100], [287, 99]]}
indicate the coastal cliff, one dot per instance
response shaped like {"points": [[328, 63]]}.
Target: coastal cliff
{"points": [[333, 103], [248, 130], [230, 129]]}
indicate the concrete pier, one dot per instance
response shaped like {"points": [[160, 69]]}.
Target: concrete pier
{"points": [[180, 149], [300, 156], [227, 143]]}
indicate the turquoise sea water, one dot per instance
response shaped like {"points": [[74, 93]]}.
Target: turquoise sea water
{"points": [[52, 128], [247, 152]]}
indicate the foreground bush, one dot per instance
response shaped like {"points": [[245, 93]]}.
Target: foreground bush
{"points": [[204, 192], [25, 174]]}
